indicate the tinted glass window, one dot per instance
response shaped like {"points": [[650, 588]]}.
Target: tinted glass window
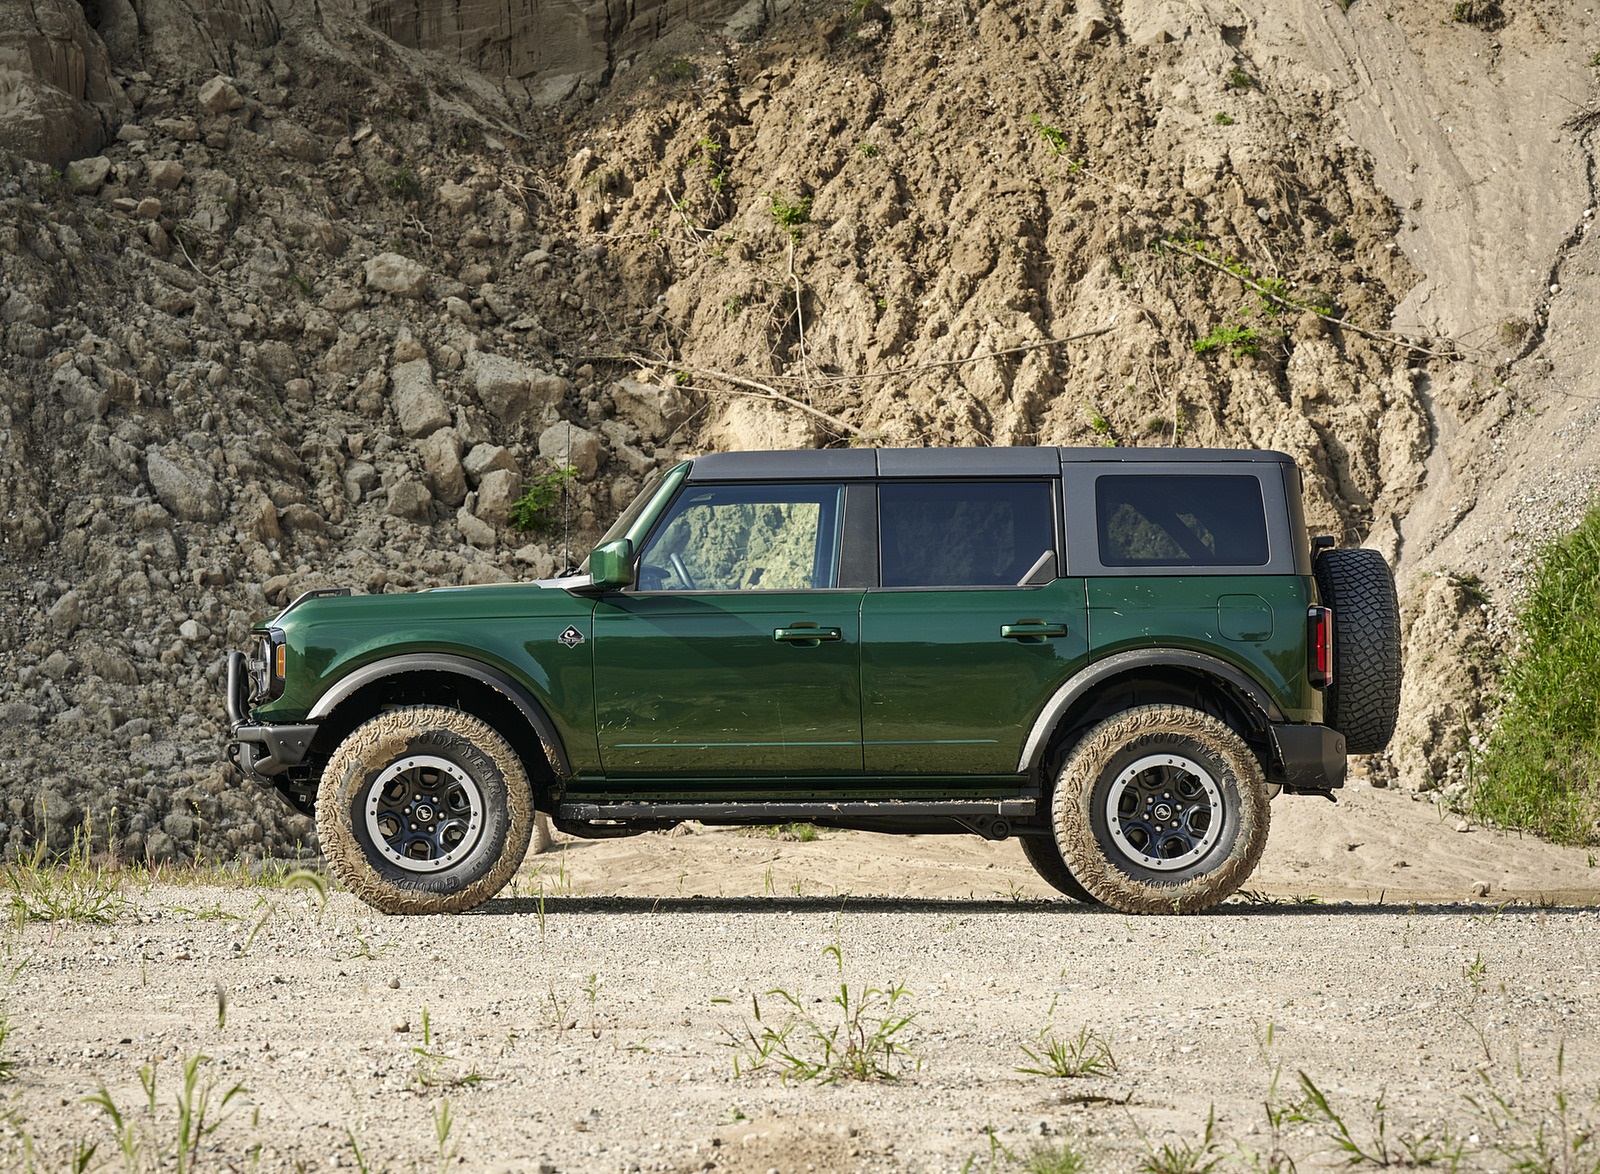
{"points": [[965, 533], [746, 538], [1165, 521]]}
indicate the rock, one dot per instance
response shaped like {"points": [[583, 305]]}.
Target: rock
{"points": [[441, 460], [496, 492], [538, 560], [59, 816], [475, 530], [655, 411], [512, 391], [296, 142], [486, 458], [66, 614], [498, 302], [461, 311], [87, 176], [418, 405], [564, 445], [163, 174], [160, 848], [411, 500], [1481, 889], [394, 274], [360, 478], [190, 495], [407, 348], [216, 200], [58, 98], [456, 199], [219, 96]]}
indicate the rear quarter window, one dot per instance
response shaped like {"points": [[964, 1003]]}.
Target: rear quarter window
{"points": [[1199, 520]]}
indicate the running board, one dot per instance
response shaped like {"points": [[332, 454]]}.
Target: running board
{"points": [[842, 809]]}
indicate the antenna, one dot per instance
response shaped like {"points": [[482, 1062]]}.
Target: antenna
{"points": [[566, 507]]}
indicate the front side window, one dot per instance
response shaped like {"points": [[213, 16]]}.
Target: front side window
{"points": [[1187, 520], [746, 538], [966, 533]]}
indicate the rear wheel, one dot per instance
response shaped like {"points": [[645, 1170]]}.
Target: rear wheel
{"points": [[1161, 809], [1042, 853], [424, 810]]}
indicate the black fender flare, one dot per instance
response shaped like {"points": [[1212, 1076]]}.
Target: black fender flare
{"points": [[440, 662], [1119, 663]]}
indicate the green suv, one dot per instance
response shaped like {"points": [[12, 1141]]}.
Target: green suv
{"points": [[1117, 656]]}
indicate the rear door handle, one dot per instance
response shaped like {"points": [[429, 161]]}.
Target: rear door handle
{"points": [[1032, 631], [806, 635]]}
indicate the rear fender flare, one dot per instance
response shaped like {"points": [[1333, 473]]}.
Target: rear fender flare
{"points": [[1081, 682]]}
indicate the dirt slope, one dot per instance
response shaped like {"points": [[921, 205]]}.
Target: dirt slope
{"points": [[319, 320]]}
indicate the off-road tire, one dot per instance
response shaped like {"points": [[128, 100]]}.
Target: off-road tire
{"points": [[1155, 750], [486, 780], [1042, 853], [1364, 700]]}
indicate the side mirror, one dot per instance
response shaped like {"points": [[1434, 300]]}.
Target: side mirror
{"points": [[611, 565]]}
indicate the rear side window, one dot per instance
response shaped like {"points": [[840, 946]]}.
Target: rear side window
{"points": [[1187, 520], [965, 533]]}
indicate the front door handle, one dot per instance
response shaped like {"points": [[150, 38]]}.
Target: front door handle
{"points": [[806, 635], [1032, 631]]}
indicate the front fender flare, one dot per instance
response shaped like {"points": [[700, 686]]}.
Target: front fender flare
{"points": [[1119, 663], [440, 662]]}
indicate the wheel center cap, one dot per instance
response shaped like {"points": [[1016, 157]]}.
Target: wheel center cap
{"points": [[1162, 812], [424, 812]]}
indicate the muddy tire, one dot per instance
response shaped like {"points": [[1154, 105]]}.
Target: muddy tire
{"points": [[424, 810], [1042, 853], [1364, 700], [1161, 809]]}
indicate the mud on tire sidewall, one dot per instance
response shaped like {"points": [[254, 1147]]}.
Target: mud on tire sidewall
{"points": [[507, 818], [1083, 833]]}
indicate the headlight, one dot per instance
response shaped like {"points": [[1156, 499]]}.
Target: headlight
{"points": [[267, 667]]}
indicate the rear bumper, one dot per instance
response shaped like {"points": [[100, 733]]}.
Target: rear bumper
{"points": [[1312, 757], [265, 751]]}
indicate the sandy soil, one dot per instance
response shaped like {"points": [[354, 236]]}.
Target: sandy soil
{"points": [[593, 1019]]}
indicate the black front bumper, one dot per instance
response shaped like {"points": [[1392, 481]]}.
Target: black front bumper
{"points": [[266, 751], [1312, 757]]}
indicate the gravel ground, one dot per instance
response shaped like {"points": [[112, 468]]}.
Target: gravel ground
{"points": [[598, 1026]]}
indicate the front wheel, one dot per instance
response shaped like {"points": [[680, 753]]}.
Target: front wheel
{"points": [[424, 810], [1161, 809]]}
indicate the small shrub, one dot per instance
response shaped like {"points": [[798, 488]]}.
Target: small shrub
{"points": [[1053, 1159], [1238, 79], [1222, 119], [1238, 340], [533, 510], [791, 215], [669, 71], [1514, 330], [867, 150], [1483, 14], [1088, 1055], [400, 183], [1055, 139]]}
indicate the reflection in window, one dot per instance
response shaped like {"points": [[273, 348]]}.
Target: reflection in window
{"points": [[746, 538], [966, 534], [1199, 520]]}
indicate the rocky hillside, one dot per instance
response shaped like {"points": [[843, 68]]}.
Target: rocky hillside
{"points": [[299, 296]]}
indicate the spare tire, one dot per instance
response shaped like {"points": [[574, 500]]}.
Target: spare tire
{"points": [[1364, 699]]}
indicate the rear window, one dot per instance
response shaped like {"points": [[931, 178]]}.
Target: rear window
{"points": [[1174, 521], [966, 534]]}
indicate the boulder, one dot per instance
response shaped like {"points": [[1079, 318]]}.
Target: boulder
{"points": [[87, 176], [410, 499], [567, 444], [219, 96], [191, 494], [441, 462], [418, 405], [393, 274], [654, 411], [485, 459], [514, 392], [496, 492], [456, 199]]}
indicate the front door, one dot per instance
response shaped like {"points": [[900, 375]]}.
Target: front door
{"points": [[735, 655]]}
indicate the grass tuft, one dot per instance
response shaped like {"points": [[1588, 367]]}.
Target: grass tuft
{"points": [[1541, 769]]}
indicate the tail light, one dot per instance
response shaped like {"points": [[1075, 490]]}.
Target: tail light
{"points": [[1319, 646]]}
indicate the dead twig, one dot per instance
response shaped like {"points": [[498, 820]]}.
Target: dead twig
{"points": [[1384, 336]]}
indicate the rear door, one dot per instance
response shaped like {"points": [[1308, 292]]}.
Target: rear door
{"points": [[971, 630]]}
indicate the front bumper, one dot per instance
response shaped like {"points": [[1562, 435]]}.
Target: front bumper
{"points": [[1312, 757], [265, 751]]}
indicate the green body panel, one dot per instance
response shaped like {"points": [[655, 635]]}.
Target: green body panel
{"points": [[944, 692], [697, 685], [513, 628], [1254, 622]]}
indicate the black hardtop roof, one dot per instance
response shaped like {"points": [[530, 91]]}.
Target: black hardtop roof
{"points": [[844, 463]]}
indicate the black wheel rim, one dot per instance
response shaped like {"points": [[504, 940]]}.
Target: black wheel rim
{"points": [[424, 814], [1164, 812]]}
